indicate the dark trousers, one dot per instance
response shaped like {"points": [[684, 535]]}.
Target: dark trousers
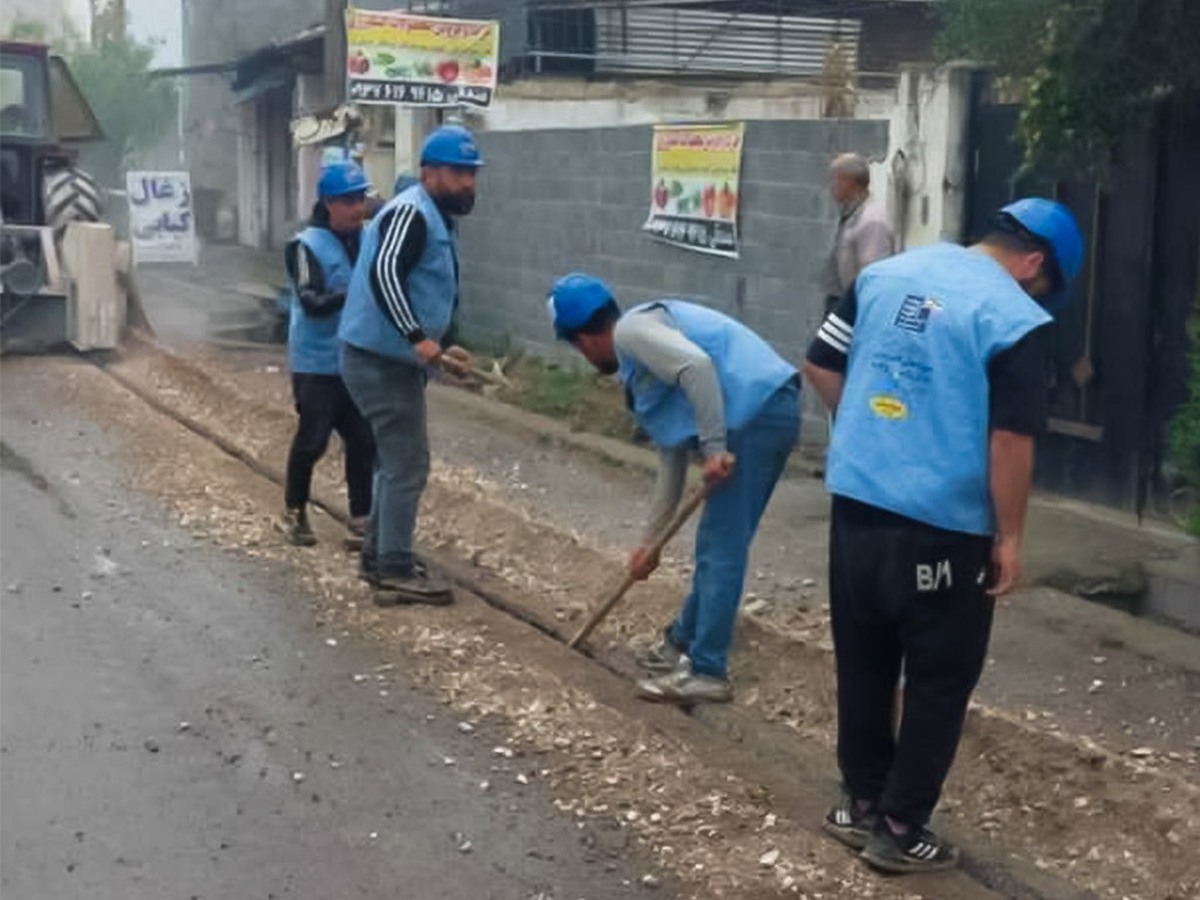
{"points": [[904, 593], [325, 406], [391, 395]]}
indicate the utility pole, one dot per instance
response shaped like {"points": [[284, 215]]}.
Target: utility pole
{"points": [[335, 52]]}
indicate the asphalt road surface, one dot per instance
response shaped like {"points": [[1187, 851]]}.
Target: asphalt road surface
{"points": [[175, 723]]}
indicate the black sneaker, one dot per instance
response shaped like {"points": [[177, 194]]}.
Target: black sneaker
{"points": [[372, 577], [917, 850], [414, 588], [296, 528], [850, 824]]}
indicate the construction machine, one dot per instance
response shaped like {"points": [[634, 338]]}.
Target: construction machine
{"points": [[63, 276]]}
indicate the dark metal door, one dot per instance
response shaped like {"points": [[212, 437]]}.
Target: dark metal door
{"points": [[1110, 390]]}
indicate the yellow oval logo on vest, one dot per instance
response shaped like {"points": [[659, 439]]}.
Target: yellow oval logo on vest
{"points": [[888, 407]]}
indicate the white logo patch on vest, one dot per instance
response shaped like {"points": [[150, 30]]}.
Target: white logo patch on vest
{"points": [[915, 312], [934, 577]]}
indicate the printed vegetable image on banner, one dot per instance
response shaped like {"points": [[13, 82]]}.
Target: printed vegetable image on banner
{"points": [[395, 58], [694, 186]]}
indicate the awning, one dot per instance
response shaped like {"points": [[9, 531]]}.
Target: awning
{"points": [[263, 84], [198, 69]]}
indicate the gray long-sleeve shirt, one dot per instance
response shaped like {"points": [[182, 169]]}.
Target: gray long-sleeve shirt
{"points": [[651, 337], [863, 236]]}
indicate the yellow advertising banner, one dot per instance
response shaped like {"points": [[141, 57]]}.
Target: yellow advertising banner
{"points": [[396, 58], [694, 172]]}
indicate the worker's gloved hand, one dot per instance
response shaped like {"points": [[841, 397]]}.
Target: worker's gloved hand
{"points": [[717, 469], [642, 563], [458, 361]]}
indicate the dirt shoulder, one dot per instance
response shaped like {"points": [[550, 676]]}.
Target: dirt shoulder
{"points": [[1048, 796]]}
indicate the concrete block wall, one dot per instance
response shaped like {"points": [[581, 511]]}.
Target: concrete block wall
{"points": [[550, 202]]}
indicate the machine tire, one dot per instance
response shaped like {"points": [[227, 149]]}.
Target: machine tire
{"points": [[70, 195]]}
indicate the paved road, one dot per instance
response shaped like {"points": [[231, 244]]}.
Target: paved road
{"points": [[290, 779]]}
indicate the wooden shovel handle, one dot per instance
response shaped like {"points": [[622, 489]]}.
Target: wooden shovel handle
{"points": [[600, 613]]}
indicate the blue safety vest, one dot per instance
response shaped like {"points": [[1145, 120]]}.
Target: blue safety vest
{"points": [[749, 371], [912, 428], [313, 341], [432, 285]]}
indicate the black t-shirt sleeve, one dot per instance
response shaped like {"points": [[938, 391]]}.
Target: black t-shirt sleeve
{"points": [[1019, 385], [402, 236], [831, 347]]}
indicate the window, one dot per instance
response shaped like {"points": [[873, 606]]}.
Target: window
{"points": [[22, 97]]}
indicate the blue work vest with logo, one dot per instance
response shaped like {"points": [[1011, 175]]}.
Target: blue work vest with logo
{"points": [[432, 285], [912, 428], [313, 340], [749, 371]]}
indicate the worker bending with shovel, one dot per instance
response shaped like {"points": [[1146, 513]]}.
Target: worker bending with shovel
{"points": [[695, 380]]}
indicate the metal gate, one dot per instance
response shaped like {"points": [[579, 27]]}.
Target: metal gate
{"points": [[1120, 350]]}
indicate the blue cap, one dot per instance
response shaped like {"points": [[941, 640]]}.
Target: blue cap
{"points": [[1055, 226], [573, 300], [341, 179], [451, 145]]}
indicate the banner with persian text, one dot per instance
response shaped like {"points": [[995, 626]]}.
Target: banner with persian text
{"points": [[694, 186], [396, 58]]}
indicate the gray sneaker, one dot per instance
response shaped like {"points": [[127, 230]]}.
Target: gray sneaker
{"points": [[663, 657], [684, 688], [296, 529], [406, 590]]}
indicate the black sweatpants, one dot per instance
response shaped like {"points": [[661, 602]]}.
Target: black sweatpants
{"points": [[325, 406], [904, 593]]}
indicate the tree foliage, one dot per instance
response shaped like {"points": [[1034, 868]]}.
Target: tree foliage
{"points": [[134, 110], [26, 30], [1185, 429], [112, 70], [1089, 70]]}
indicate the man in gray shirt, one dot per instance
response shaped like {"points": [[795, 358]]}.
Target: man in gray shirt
{"points": [[863, 234], [696, 381]]}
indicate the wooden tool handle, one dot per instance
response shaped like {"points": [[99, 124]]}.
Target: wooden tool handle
{"points": [[613, 598]]}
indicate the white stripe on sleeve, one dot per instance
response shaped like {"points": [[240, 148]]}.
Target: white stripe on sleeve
{"points": [[390, 283]]}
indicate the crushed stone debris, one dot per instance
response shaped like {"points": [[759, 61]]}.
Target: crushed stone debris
{"points": [[712, 848]]}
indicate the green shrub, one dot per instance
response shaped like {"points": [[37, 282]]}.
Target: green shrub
{"points": [[1185, 429]]}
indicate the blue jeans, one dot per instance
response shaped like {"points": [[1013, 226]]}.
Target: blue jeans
{"points": [[391, 396], [704, 628]]}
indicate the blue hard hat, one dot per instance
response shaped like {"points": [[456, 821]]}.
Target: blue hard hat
{"points": [[573, 300], [1054, 225], [451, 145], [341, 179]]}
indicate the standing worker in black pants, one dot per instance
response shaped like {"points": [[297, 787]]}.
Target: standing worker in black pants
{"points": [[935, 365], [319, 261]]}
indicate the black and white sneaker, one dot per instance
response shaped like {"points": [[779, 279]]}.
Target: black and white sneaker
{"points": [[850, 823], [917, 850]]}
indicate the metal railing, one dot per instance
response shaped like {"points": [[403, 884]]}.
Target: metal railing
{"points": [[641, 38]]}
